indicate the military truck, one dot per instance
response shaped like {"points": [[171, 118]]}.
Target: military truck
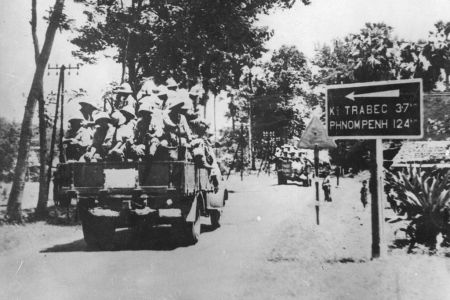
{"points": [[286, 171], [144, 194]]}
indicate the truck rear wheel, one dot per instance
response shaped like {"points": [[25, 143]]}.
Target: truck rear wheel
{"points": [[281, 179], [98, 231], [215, 214]]}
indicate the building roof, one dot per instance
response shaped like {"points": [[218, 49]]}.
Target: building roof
{"points": [[424, 153]]}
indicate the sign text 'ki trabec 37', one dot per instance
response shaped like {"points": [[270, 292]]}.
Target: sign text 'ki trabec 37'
{"points": [[384, 109]]}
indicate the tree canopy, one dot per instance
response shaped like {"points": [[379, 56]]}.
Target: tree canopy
{"points": [[374, 54], [202, 40]]}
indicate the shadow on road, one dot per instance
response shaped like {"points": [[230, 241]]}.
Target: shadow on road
{"points": [[156, 239], [289, 183]]}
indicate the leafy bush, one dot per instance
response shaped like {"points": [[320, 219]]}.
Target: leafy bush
{"points": [[423, 200], [9, 140]]}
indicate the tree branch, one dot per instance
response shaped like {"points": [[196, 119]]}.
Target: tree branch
{"points": [[33, 30]]}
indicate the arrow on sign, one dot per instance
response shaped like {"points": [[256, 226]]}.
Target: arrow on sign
{"points": [[383, 94]]}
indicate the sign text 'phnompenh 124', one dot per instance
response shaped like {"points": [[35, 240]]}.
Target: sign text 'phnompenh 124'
{"points": [[387, 109]]}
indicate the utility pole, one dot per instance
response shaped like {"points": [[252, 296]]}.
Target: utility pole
{"points": [[59, 105], [241, 141], [250, 136]]}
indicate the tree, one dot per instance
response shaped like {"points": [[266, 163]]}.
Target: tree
{"points": [[9, 136], [192, 41], [286, 70], [15, 197], [43, 187], [285, 85]]}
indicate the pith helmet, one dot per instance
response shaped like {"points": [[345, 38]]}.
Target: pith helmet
{"points": [[146, 105], [101, 116], [117, 117], [162, 90], [130, 100], [176, 102], [128, 111], [188, 105], [87, 103], [196, 90], [124, 88], [171, 83], [153, 100], [148, 88]]}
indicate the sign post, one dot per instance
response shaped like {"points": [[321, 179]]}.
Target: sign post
{"points": [[376, 110], [315, 137]]}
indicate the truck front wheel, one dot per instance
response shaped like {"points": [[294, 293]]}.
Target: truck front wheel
{"points": [[215, 214], [281, 178], [193, 229], [98, 231]]}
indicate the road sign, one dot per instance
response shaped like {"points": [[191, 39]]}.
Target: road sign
{"points": [[315, 135], [371, 110]]}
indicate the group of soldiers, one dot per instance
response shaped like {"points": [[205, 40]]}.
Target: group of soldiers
{"points": [[291, 153], [161, 117]]}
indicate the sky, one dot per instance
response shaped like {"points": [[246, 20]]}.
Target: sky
{"points": [[302, 26]]}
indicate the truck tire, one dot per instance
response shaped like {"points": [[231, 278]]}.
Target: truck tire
{"points": [[215, 215], [281, 179], [98, 231], [192, 230]]}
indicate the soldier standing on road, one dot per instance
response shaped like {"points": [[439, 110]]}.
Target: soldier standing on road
{"points": [[364, 193], [338, 174], [326, 186]]}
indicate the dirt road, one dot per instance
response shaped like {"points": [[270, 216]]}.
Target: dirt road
{"points": [[268, 247], [59, 267]]}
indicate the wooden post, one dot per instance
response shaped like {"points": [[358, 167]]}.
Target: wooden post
{"points": [[250, 124], [241, 141], [338, 173], [378, 249], [53, 139], [316, 182], [62, 156], [234, 160]]}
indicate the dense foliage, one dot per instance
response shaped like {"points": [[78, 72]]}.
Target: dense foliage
{"points": [[9, 138], [422, 198]]}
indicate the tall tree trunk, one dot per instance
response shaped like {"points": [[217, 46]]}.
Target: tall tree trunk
{"points": [[14, 209], [41, 209], [43, 187], [124, 59]]}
